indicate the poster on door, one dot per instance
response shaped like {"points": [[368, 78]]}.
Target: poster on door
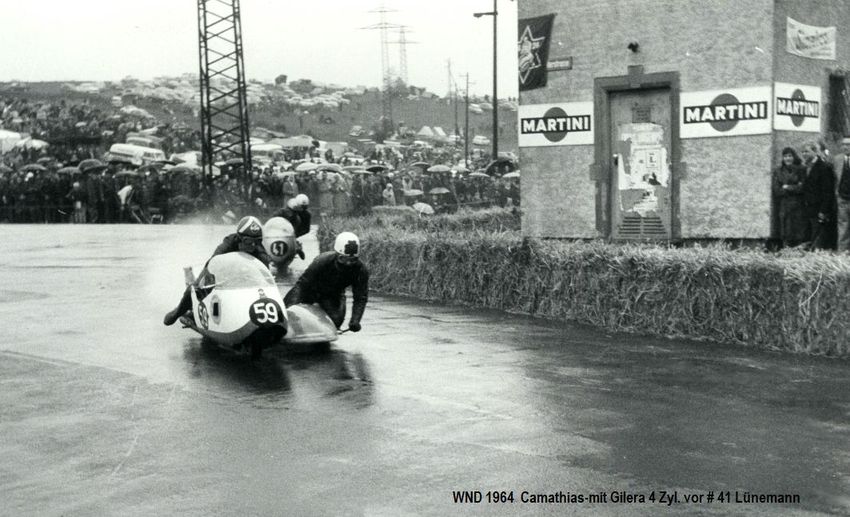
{"points": [[643, 175]]}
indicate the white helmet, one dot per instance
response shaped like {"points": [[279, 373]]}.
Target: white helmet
{"points": [[302, 200], [347, 244]]}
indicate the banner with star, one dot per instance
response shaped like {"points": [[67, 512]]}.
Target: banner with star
{"points": [[533, 47]]}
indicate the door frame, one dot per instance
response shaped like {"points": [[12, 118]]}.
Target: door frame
{"points": [[602, 170]]}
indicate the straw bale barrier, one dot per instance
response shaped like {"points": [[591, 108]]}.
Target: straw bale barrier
{"points": [[795, 302]]}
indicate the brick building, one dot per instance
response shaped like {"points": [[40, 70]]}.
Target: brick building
{"points": [[662, 119]]}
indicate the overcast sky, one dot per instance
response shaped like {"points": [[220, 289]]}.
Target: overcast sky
{"points": [[49, 40]]}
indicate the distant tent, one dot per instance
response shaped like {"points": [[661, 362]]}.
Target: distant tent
{"points": [[425, 132], [293, 141], [438, 131]]}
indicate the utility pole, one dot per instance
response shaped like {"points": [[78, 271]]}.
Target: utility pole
{"points": [[466, 126], [452, 92], [495, 82], [495, 14], [457, 127]]}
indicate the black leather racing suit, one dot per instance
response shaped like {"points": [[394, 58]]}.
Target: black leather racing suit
{"points": [[324, 282]]}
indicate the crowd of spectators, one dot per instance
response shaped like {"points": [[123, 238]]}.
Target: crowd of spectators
{"points": [[71, 180]]}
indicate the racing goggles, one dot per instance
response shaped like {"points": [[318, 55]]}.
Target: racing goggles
{"points": [[347, 260], [249, 242]]}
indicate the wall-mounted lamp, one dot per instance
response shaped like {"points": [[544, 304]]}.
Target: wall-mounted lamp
{"points": [[634, 46]]}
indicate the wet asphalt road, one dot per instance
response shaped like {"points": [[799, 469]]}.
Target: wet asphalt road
{"points": [[104, 411]]}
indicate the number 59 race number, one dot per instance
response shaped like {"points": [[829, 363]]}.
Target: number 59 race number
{"points": [[265, 312]]}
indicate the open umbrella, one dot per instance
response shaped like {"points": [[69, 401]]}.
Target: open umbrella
{"points": [[423, 165], [126, 174], [423, 208], [461, 168], [510, 175], [183, 169], [234, 162], [439, 168], [439, 190], [478, 175], [377, 168], [91, 165], [413, 192], [69, 170], [34, 167], [332, 167], [31, 143], [362, 171], [306, 166], [354, 168]]}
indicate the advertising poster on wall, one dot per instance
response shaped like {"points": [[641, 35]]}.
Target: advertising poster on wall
{"points": [[797, 107], [729, 112], [566, 123], [810, 41]]}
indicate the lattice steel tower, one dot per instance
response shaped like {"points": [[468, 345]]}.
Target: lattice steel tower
{"points": [[224, 100], [386, 73], [402, 43]]}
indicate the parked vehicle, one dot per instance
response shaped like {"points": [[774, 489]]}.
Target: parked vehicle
{"points": [[480, 140], [135, 154]]}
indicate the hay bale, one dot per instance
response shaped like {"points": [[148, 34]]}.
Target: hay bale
{"points": [[787, 302]]}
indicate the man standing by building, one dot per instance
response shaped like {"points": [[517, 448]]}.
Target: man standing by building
{"points": [[843, 201], [819, 197]]}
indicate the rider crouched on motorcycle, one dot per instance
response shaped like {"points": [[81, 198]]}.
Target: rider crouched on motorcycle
{"points": [[298, 216], [326, 278], [248, 238]]}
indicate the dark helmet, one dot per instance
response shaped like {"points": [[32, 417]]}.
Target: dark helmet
{"points": [[250, 226]]}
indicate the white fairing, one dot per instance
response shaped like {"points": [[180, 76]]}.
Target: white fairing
{"points": [[279, 240], [309, 324], [243, 298]]}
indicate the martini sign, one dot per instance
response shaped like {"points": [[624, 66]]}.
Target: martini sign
{"points": [[732, 112], [798, 107], [566, 123]]}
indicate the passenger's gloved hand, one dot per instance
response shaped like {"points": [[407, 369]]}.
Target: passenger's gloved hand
{"points": [[299, 250], [354, 326]]}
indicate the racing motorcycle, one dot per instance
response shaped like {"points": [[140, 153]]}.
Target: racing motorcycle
{"points": [[237, 305]]}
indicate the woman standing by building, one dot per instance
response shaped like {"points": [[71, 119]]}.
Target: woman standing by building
{"points": [[788, 181]]}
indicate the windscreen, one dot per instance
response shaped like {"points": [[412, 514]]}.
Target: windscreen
{"points": [[239, 270]]}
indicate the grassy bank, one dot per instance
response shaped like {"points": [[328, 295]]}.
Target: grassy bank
{"points": [[794, 302]]}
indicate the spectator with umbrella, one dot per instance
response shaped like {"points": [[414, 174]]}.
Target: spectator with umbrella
{"points": [[78, 199], [91, 170]]}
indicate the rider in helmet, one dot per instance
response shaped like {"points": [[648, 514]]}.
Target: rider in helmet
{"points": [[248, 238], [297, 214], [326, 278]]}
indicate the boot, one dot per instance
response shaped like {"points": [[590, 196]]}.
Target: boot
{"points": [[184, 305]]}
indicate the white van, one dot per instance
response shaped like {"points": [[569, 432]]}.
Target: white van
{"points": [[480, 140], [135, 154], [268, 152]]}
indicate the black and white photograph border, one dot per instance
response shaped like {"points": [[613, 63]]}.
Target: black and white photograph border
{"points": [[405, 258]]}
